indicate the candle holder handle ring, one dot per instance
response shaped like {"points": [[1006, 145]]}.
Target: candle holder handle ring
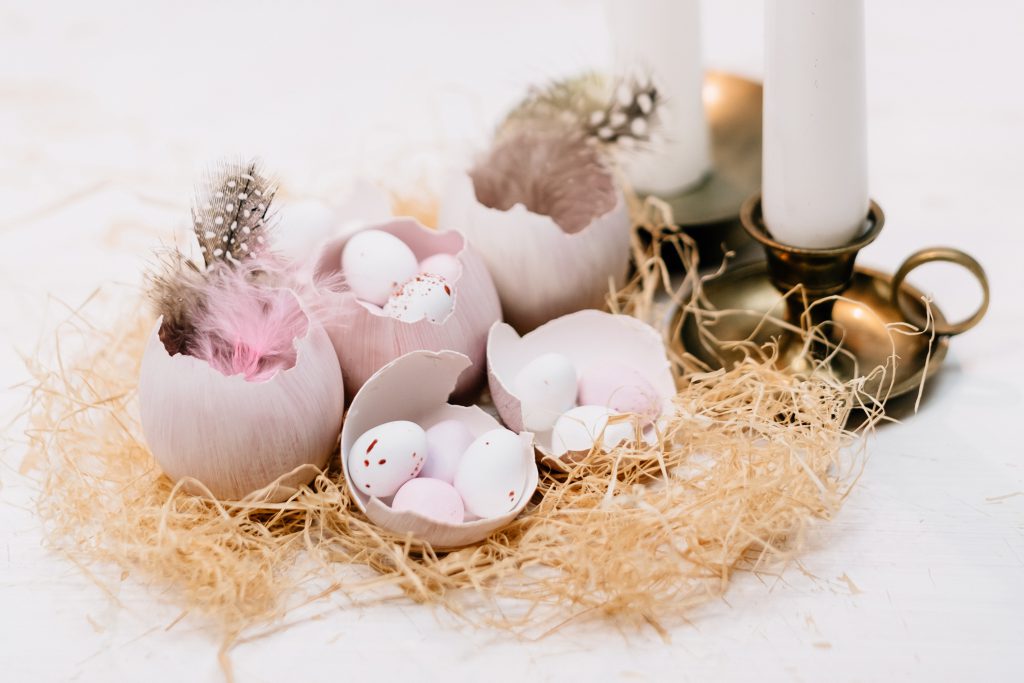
{"points": [[934, 255]]}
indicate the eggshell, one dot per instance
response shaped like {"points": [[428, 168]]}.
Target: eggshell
{"points": [[414, 387], [375, 264], [442, 265], [492, 473], [619, 387], [578, 430], [424, 296], [446, 442], [366, 340], [540, 270], [547, 387], [234, 439], [587, 338], [386, 456], [430, 498]]}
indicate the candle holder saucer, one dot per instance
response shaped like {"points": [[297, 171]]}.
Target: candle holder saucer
{"points": [[853, 310], [709, 212]]}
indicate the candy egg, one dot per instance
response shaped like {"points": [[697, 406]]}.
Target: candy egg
{"points": [[375, 263], [578, 430], [446, 442], [620, 388], [387, 456], [546, 386], [442, 265], [423, 296], [432, 498], [492, 473]]}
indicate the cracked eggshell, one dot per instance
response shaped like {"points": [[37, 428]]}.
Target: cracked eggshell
{"points": [[540, 270], [238, 438], [415, 387], [366, 338], [587, 338]]}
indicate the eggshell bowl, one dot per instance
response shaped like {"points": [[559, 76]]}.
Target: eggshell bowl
{"points": [[586, 338], [233, 439], [415, 387], [366, 338], [540, 270]]}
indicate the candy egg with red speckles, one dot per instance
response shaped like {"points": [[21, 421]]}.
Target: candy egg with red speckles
{"points": [[421, 297], [492, 473], [386, 456]]}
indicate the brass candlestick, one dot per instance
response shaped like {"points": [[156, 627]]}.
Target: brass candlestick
{"points": [[856, 322]]}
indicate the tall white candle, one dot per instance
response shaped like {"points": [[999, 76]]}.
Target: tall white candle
{"points": [[815, 177], [661, 38]]}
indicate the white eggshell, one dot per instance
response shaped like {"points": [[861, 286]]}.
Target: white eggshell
{"points": [[578, 430], [446, 442], [375, 263], [547, 387], [491, 476], [621, 388], [387, 456], [442, 265], [431, 498], [423, 296]]}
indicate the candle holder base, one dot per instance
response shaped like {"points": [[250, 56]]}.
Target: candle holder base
{"points": [[709, 212], [826, 314]]}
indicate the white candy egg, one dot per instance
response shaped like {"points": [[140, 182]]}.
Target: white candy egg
{"points": [[442, 265], [423, 296], [375, 263], [579, 429], [446, 442], [387, 456], [546, 388], [492, 473]]}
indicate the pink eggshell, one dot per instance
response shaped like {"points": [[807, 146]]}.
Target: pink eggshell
{"points": [[443, 265], [620, 388], [446, 442], [431, 498]]}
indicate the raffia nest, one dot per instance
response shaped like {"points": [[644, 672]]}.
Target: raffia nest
{"points": [[752, 457]]}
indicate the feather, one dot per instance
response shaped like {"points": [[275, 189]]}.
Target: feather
{"points": [[620, 112], [246, 328], [176, 288], [549, 171], [231, 216]]}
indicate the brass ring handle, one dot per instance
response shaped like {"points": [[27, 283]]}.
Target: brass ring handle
{"points": [[950, 255]]}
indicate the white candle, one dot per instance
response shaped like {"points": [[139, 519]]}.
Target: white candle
{"points": [[815, 177], [661, 39]]}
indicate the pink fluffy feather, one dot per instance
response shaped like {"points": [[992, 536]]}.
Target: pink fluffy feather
{"points": [[247, 329]]}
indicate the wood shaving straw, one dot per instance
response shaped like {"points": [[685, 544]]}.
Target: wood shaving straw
{"points": [[752, 457]]}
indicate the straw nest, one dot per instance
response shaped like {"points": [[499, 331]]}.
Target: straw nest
{"points": [[752, 457]]}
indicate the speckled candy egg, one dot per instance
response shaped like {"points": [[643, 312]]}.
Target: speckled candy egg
{"points": [[422, 297], [387, 456], [492, 473]]}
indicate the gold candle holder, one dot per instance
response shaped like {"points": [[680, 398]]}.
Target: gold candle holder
{"points": [[796, 290]]}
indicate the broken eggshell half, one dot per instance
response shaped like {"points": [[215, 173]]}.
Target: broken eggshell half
{"points": [[415, 387], [540, 269], [366, 338], [588, 339], [232, 438]]}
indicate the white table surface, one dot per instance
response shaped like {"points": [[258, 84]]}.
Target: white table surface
{"points": [[108, 109]]}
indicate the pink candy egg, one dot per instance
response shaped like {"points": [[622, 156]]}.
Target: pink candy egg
{"points": [[442, 265], [431, 498], [620, 388], [446, 442]]}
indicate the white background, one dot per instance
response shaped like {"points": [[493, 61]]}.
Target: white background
{"points": [[107, 110]]}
